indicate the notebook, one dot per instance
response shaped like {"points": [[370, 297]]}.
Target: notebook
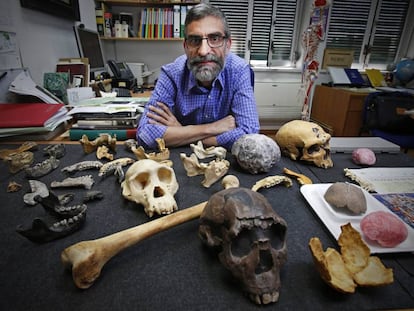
{"points": [[346, 77], [27, 114]]}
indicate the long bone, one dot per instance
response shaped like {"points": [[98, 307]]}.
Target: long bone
{"points": [[87, 258]]}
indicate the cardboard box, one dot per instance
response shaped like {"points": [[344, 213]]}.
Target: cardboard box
{"points": [[337, 58]]}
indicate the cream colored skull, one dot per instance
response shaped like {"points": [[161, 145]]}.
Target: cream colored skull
{"points": [[304, 140], [151, 184]]}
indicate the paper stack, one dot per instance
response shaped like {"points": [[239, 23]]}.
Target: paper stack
{"points": [[32, 121], [114, 116]]}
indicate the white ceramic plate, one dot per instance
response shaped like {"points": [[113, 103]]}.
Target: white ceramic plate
{"points": [[334, 218]]}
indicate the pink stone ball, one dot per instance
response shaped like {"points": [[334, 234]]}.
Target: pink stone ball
{"points": [[364, 156]]}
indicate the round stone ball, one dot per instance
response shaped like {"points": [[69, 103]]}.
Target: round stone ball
{"points": [[256, 153]]}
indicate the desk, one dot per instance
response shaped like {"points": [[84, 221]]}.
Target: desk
{"points": [[338, 110], [173, 270]]}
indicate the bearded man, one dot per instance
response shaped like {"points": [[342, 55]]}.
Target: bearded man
{"points": [[206, 94]]}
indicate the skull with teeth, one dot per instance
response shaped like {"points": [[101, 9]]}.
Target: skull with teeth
{"points": [[251, 239], [306, 141], [151, 184]]}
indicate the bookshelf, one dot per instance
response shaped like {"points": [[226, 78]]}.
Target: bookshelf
{"points": [[147, 20]]}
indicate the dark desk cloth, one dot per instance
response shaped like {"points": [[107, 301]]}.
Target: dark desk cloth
{"points": [[173, 270]]}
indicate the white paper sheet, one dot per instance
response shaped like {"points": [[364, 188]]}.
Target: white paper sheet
{"points": [[384, 179]]}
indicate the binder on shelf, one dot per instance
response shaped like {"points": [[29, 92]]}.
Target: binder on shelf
{"points": [[176, 21], [183, 14]]}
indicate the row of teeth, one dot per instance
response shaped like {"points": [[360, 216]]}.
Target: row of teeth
{"points": [[265, 298], [69, 221], [62, 209], [262, 223]]}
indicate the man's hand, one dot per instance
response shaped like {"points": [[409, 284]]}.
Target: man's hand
{"points": [[226, 124], [162, 115]]}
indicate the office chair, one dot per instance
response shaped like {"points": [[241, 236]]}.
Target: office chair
{"points": [[382, 117]]}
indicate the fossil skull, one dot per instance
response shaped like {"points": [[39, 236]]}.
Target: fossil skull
{"points": [[306, 141], [251, 239], [151, 184]]}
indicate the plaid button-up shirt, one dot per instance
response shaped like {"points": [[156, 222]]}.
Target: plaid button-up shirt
{"points": [[231, 94]]}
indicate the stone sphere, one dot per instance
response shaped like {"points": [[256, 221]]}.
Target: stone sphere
{"points": [[256, 153]]}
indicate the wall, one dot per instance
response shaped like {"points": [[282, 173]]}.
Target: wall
{"points": [[43, 39]]}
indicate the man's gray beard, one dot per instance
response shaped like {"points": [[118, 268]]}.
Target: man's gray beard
{"points": [[205, 74]]}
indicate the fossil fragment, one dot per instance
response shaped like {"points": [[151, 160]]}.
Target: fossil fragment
{"points": [[53, 206], [42, 168], [103, 139], [110, 167], [82, 166], [85, 181], [13, 186], [119, 173], [66, 198], [26, 146], [55, 150], [38, 188], [19, 161], [212, 151], [214, 171], [93, 195], [102, 152], [139, 152], [271, 181], [302, 179], [43, 231]]}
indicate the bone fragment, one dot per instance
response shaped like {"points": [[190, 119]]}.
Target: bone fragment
{"points": [[26, 146], [271, 181], [212, 151], [38, 188], [102, 152], [82, 166], [302, 179], [111, 166], [139, 151], [87, 258], [103, 139], [85, 181]]}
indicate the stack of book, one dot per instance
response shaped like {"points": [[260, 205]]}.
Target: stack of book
{"points": [[32, 121], [113, 117]]}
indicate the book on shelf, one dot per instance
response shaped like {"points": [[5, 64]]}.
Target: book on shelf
{"points": [[76, 133], [176, 21]]}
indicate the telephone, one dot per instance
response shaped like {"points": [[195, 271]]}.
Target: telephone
{"points": [[123, 76], [120, 70]]}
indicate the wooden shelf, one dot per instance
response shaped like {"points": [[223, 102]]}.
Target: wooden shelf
{"points": [[148, 3], [140, 39]]}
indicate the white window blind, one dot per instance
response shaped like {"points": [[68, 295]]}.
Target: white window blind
{"points": [[263, 31], [268, 32], [373, 29]]}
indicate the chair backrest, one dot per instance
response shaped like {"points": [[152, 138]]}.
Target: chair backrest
{"points": [[386, 111]]}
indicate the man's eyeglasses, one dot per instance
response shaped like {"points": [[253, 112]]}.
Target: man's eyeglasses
{"points": [[213, 40]]}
